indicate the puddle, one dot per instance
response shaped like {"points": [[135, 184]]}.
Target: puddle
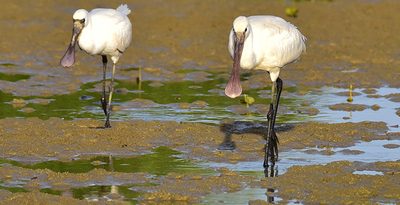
{"points": [[173, 103], [368, 172], [106, 193], [3, 64], [162, 161], [159, 163], [370, 152], [205, 102], [242, 197], [51, 191], [63, 106], [327, 96], [13, 189], [91, 193], [13, 77], [178, 101]]}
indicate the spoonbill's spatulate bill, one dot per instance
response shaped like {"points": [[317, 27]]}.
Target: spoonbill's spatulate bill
{"points": [[105, 32], [266, 43]]}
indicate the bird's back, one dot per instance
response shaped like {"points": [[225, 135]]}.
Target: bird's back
{"points": [[276, 41], [108, 32]]}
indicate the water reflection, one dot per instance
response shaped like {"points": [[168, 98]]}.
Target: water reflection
{"points": [[243, 197], [242, 127], [369, 152], [271, 171]]}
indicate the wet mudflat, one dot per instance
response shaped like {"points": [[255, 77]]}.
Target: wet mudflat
{"points": [[176, 139], [154, 162]]}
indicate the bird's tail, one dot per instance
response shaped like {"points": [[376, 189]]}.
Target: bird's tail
{"points": [[123, 9]]}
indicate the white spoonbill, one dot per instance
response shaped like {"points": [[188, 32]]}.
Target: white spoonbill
{"points": [[266, 43], [105, 32]]}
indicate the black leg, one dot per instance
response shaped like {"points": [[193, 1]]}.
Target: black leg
{"points": [[271, 171], [271, 149], [103, 98], [111, 90]]}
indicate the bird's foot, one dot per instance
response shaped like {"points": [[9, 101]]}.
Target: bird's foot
{"points": [[108, 112], [271, 150], [107, 124], [271, 171], [274, 146], [104, 105]]}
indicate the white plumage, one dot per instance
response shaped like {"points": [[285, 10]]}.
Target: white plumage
{"points": [[105, 32], [266, 43], [271, 43]]}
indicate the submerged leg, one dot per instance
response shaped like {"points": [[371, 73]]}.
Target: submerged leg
{"points": [[103, 100], [271, 149], [111, 88]]}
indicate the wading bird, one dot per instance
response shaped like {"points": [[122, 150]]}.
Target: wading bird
{"points": [[266, 43], [105, 32]]}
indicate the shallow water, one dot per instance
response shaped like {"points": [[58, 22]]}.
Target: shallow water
{"points": [[327, 96], [368, 172], [372, 151], [242, 197], [164, 160], [203, 102], [161, 162], [13, 77], [178, 101], [198, 102], [174, 101], [106, 193]]}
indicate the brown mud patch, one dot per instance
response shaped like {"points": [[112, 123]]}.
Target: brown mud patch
{"points": [[34, 138], [335, 183], [41, 198], [348, 107], [391, 146], [398, 112], [351, 152]]}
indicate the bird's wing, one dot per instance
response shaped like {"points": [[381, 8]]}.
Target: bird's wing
{"points": [[106, 16], [283, 42], [107, 20]]}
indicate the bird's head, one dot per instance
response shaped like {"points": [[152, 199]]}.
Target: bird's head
{"points": [[240, 25], [79, 18], [240, 30], [79, 21]]}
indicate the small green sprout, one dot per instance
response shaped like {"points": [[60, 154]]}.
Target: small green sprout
{"points": [[248, 100], [291, 11], [350, 98]]}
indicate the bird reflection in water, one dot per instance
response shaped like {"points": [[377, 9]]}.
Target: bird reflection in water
{"points": [[242, 127]]}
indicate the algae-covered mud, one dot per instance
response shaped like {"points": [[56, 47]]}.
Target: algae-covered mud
{"points": [[170, 162], [176, 138]]}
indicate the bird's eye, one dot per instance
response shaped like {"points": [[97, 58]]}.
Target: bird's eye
{"points": [[245, 30], [82, 21]]}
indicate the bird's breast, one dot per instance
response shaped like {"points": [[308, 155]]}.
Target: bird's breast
{"points": [[86, 43], [248, 59]]}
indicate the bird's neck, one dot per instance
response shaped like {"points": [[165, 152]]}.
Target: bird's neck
{"points": [[248, 59]]}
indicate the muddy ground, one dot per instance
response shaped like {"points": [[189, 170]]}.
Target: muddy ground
{"points": [[349, 42], [31, 139]]}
